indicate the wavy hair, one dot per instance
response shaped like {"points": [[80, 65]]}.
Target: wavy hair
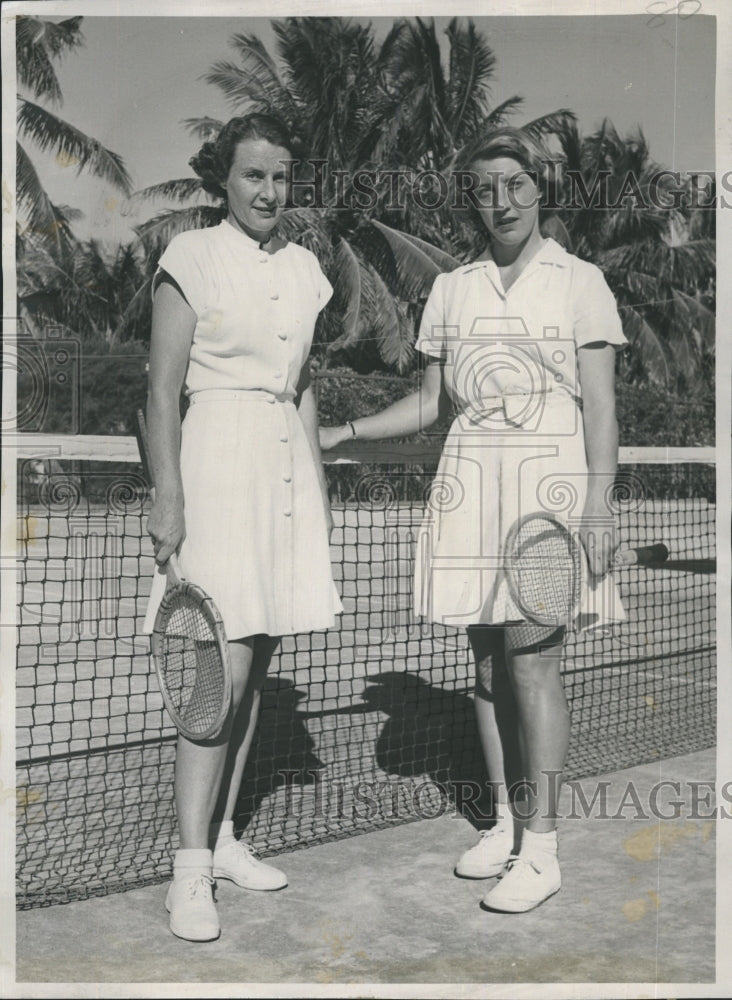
{"points": [[213, 161]]}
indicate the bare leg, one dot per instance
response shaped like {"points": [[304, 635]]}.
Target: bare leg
{"points": [[543, 717], [243, 727], [199, 767], [495, 711]]}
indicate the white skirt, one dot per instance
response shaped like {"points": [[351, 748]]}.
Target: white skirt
{"points": [[488, 477], [256, 537]]}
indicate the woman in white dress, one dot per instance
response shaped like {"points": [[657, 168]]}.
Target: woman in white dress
{"points": [[240, 489], [523, 340]]}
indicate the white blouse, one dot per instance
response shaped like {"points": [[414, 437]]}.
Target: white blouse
{"points": [[255, 311], [496, 343]]}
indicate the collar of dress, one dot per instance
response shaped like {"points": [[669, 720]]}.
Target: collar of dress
{"points": [[549, 253], [226, 226]]}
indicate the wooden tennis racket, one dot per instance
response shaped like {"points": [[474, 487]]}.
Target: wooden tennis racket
{"points": [[543, 562], [544, 565], [189, 645]]}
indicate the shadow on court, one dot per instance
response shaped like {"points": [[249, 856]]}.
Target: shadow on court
{"points": [[430, 732], [637, 905], [283, 750]]}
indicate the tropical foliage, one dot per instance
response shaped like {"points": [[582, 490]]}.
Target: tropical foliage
{"points": [[656, 250], [40, 44], [387, 111], [60, 280], [400, 111]]}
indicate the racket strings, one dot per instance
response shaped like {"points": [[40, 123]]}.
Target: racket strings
{"points": [[193, 665], [545, 571]]}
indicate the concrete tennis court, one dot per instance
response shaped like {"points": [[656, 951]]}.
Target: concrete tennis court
{"points": [[637, 906]]}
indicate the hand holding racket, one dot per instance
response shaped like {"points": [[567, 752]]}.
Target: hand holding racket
{"points": [[545, 563], [189, 646]]}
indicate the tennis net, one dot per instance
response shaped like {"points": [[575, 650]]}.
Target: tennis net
{"points": [[366, 725]]}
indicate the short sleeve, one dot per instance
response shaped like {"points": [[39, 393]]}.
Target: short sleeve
{"points": [[431, 337], [596, 318], [325, 290], [182, 260]]}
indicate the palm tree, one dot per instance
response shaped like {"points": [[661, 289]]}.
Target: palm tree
{"points": [[361, 108], [86, 290], [657, 258], [40, 43]]}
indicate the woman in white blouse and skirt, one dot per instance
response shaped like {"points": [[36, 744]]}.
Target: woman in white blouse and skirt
{"points": [[240, 489], [523, 340]]}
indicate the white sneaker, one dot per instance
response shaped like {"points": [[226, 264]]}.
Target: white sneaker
{"points": [[489, 856], [526, 884], [238, 862], [191, 907]]}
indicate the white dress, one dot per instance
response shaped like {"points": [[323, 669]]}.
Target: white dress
{"points": [[517, 444], [256, 537]]}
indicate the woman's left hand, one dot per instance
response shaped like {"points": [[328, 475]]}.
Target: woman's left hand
{"points": [[598, 533]]}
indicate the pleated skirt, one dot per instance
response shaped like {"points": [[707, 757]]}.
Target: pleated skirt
{"points": [[487, 478]]}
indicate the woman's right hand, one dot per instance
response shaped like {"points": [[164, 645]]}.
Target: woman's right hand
{"points": [[331, 436], [166, 527]]}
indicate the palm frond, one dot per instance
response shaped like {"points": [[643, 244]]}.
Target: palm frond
{"points": [[72, 146], [554, 123], [406, 264], [390, 329], [553, 227], [63, 36], [646, 345], [695, 319], [347, 293], [44, 219], [251, 48], [205, 129], [161, 229], [472, 65], [38, 42], [308, 228], [241, 88], [182, 189], [256, 61], [135, 309]]}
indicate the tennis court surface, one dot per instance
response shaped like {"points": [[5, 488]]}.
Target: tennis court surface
{"points": [[365, 730], [637, 906]]}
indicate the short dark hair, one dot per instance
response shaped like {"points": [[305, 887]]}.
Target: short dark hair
{"points": [[213, 161]]}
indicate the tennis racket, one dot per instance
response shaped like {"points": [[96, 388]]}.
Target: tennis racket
{"points": [[544, 565], [189, 645]]}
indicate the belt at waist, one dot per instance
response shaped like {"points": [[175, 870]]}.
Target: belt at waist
{"points": [[518, 406], [240, 395]]}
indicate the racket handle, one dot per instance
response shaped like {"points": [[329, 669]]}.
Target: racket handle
{"points": [[143, 446], [172, 570], [642, 556]]}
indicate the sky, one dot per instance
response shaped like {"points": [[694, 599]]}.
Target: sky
{"points": [[137, 78]]}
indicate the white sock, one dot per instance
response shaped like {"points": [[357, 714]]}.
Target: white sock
{"points": [[504, 817], [193, 859], [538, 846], [222, 833]]}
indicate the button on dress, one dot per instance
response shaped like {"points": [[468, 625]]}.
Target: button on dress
{"points": [[516, 446], [256, 536]]}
